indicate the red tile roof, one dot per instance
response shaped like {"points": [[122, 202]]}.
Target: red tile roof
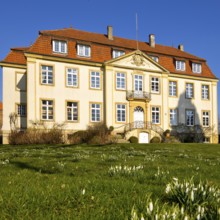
{"points": [[16, 56], [101, 50], [1, 106]]}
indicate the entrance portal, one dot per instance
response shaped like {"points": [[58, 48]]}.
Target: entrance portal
{"points": [[138, 117]]}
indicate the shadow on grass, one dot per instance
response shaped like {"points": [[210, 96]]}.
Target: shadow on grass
{"points": [[45, 170]]}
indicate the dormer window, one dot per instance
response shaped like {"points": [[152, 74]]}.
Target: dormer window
{"points": [[117, 53], [155, 58], [59, 46], [83, 50], [196, 67], [180, 65]]}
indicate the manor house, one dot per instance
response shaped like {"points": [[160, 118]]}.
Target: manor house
{"points": [[82, 78]]}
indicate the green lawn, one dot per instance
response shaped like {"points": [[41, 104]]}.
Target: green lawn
{"points": [[97, 182]]}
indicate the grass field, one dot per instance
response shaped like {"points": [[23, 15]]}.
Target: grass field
{"points": [[101, 182]]}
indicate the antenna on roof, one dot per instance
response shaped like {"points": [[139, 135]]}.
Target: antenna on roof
{"points": [[137, 30]]}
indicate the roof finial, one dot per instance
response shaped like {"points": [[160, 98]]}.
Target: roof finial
{"points": [[137, 30]]}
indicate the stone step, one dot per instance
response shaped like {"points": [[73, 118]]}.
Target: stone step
{"points": [[123, 141]]}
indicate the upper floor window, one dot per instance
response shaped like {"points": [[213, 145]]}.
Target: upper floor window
{"points": [[155, 84], [189, 90], [180, 65], [138, 82], [172, 88], [72, 111], [117, 53], [47, 110], [47, 75], [121, 112], [72, 77], [196, 67], [83, 50], [205, 92], [155, 58], [190, 117], [21, 110], [120, 81], [59, 46], [95, 80]]}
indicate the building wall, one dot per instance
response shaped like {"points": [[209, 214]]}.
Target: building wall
{"points": [[108, 96]]}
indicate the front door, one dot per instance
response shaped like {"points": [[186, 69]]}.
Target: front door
{"points": [[143, 138], [138, 117]]}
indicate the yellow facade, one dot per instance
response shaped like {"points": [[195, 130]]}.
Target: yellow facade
{"points": [[108, 96]]}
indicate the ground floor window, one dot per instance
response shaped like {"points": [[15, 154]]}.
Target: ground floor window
{"points": [[205, 118], [155, 115], [121, 112], [173, 117], [47, 110], [95, 112], [190, 118], [21, 110], [72, 111], [206, 140]]}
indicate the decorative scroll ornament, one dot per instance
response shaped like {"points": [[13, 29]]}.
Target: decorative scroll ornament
{"points": [[138, 60]]}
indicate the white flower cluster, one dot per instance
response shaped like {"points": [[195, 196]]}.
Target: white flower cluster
{"points": [[4, 162], [189, 201], [125, 170], [161, 173]]}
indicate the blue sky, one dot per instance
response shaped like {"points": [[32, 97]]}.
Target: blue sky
{"points": [[193, 23]]}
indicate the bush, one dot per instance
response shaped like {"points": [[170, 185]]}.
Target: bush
{"points": [[155, 140], [36, 136], [78, 137], [133, 139], [165, 133], [97, 140]]}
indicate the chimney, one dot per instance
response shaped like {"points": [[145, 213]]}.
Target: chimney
{"points": [[180, 47], [152, 40], [110, 32]]}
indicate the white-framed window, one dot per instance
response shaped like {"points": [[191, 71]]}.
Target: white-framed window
{"points": [[155, 115], [205, 118], [155, 84], [83, 50], [117, 53], [205, 92], [196, 67], [155, 58], [95, 82], [47, 110], [72, 111], [172, 88], [120, 81], [59, 46], [180, 65], [46, 75], [95, 112], [190, 117], [206, 140], [72, 77], [173, 117], [138, 82], [21, 110], [189, 90], [121, 112]]}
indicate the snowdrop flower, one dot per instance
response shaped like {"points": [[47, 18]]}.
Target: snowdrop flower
{"points": [[83, 192], [151, 207]]}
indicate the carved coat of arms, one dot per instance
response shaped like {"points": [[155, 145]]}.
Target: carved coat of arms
{"points": [[138, 60]]}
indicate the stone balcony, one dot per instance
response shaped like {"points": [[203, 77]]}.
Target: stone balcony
{"points": [[138, 95]]}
